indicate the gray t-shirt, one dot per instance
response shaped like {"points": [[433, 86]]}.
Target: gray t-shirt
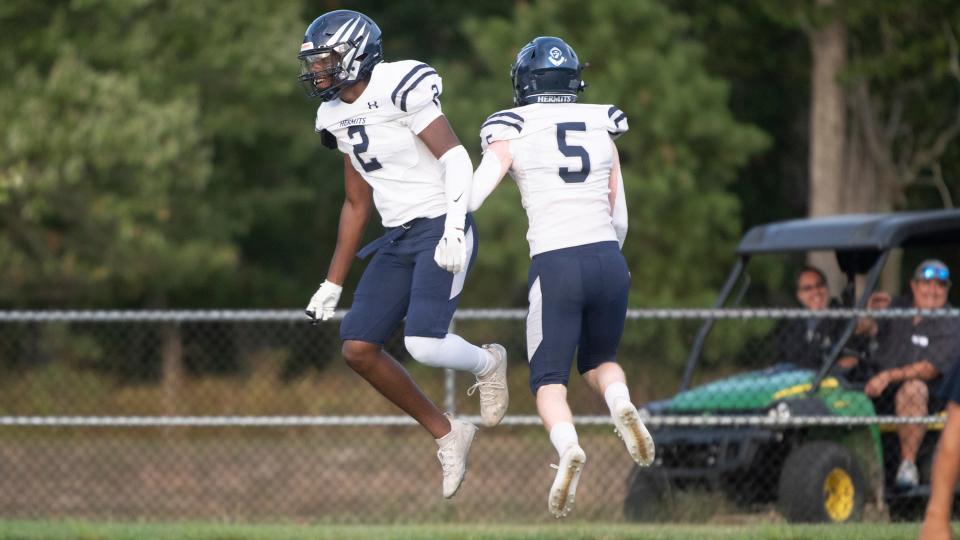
{"points": [[900, 342]]}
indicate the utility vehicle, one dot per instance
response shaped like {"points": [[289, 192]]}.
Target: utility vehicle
{"points": [[801, 438]]}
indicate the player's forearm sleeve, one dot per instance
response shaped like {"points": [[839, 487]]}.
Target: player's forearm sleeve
{"points": [[457, 178], [618, 200], [495, 163]]}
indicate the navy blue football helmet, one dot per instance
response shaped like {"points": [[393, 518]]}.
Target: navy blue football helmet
{"points": [[546, 71], [339, 48]]}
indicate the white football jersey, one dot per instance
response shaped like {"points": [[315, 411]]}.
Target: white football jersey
{"points": [[562, 159], [379, 133]]}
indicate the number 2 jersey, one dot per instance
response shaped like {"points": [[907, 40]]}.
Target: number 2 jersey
{"points": [[378, 132], [563, 156]]}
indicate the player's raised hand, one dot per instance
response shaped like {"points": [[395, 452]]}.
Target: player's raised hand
{"points": [[324, 301], [451, 252]]}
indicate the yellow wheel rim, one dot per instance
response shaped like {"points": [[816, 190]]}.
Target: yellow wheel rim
{"points": [[838, 495]]}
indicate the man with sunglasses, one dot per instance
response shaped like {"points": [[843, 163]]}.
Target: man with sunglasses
{"points": [[804, 342], [912, 355]]}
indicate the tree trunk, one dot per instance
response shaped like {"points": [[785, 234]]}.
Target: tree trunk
{"points": [[828, 126]]}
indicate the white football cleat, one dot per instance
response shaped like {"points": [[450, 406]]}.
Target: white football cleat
{"points": [[564, 488], [454, 448], [630, 428], [494, 396]]}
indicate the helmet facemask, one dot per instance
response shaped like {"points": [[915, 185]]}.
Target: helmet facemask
{"points": [[322, 73]]}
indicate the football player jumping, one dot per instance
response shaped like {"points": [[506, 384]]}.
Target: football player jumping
{"points": [[563, 158], [402, 156]]}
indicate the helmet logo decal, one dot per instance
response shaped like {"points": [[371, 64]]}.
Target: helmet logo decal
{"points": [[344, 29], [354, 68], [556, 57], [307, 45]]}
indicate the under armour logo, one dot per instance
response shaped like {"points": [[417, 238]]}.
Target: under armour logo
{"points": [[372, 105], [556, 57]]}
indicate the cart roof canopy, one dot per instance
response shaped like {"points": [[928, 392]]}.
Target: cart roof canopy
{"points": [[854, 232]]}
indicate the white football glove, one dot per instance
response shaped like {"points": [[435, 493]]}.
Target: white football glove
{"points": [[324, 301], [451, 252]]}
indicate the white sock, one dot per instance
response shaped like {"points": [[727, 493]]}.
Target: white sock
{"points": [[563, 435], [452, 351], [614, 393], [486, 365]]}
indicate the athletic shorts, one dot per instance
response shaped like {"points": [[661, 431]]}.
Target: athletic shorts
{"points": [[403, 280], [578, 302]]}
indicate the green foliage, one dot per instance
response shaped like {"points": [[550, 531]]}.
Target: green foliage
{"points": [[160, 152], [92, 178], [113, 185]]}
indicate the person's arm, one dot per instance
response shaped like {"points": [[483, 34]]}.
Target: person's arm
{"points": [[354, 214], [495, 163], [618, 199], [946, 469], [941, 349], [923, 370], [438, 136]]}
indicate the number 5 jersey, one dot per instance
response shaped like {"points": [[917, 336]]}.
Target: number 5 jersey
{"points": [[566, 166], [378, 132]]}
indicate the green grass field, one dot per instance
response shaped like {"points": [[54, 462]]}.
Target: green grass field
{"points": [[26, 530]]}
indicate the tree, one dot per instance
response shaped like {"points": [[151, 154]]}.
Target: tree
{"points": [[98, 180], [131, 160], [885, 102]]}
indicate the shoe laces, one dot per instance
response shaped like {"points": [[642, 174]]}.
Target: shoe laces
{"points": [[489, 385], [446, 457], [487, 388]]}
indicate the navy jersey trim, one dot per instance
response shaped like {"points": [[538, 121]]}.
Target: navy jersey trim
{"points": [[518, 127], [403, 81], [508, 114], [403, 99], [327, 139], [616, 115], [505, 118]]}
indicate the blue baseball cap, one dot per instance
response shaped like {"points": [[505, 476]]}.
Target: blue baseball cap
{"points": [[932, 269]]}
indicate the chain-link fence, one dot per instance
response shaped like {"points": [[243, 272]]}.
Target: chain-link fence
{"points": [[252, 416]]}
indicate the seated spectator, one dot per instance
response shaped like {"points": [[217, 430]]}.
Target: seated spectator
{"points": [[911, 356], [805, 342]]}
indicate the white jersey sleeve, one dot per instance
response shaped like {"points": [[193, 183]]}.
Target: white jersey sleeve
{"points": [[618, 122], [418, 94], [500, 126]]}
